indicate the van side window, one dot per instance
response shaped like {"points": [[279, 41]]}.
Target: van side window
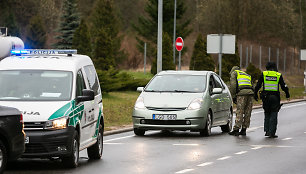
{"points": [[80, 84], [92, 79]]}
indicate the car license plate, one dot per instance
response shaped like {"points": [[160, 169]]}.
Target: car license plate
{"points": [[164, 116], [27, 140]]}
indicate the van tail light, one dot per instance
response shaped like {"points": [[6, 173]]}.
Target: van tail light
{"points": [[21, 118]]}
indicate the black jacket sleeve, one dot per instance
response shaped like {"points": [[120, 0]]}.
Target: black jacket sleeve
{"points": [[284, 86], [259, 84]]}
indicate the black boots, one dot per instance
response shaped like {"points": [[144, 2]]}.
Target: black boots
{"points": [[234, 132], [243, 132]]}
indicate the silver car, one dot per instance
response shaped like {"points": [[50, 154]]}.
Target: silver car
{"points": [[183, 100]]}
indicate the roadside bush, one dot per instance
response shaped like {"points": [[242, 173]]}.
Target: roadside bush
{"points": [[254, 72], [113, 80]]}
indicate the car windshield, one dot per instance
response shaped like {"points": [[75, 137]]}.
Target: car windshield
{"points": [[35, 85], [177, 83]]}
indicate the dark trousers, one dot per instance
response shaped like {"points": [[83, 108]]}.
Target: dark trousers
{"points": [[270, 124]]}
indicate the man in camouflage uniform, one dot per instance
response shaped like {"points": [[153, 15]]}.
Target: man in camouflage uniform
{"points": [[242, 93]]}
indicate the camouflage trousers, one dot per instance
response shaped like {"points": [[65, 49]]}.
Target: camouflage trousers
{"points": [[243, 112]]}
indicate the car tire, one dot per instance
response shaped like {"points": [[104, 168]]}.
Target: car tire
{"points": [[228, 126], [207, 130], [95, 151], [72, 160], [3, 157], [139, 132]]}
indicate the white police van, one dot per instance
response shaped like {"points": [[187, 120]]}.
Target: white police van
{"points": [[60, 98]]}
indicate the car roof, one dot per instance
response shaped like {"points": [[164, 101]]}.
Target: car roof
{"points": [[185, 72], [46, 62]]}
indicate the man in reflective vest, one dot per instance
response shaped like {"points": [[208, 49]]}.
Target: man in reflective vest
{"points": [[242, 94], [270, 80]]}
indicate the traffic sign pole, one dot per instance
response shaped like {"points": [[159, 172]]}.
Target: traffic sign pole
{"points": [[179, 44], [220, 56], [179, 61]]}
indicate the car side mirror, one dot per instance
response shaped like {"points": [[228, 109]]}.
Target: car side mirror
{"points": [[87, 95], [217, 91], [140, 89]]}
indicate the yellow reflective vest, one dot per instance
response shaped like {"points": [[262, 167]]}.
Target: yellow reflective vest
{"points": [[271, 80], [243, 80]]}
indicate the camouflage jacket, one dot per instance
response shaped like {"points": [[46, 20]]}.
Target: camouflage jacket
{"points": [[234, 87]]}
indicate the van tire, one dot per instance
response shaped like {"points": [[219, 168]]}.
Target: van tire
{"points": [[3, 157], [72, 160], [95, 151]]}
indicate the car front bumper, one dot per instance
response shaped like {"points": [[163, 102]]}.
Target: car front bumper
{"points": [[186, 120], [49, 143]]}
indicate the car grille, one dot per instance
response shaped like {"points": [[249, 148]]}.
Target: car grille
{"points": [[165, 109], [43, 147], [33, 125], [165, 122]]}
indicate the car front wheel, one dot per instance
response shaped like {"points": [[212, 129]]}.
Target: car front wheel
{"points": [[139, 132], [72, 160], [207, 130]]}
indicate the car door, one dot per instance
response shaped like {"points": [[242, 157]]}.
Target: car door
{"points": [[86, 105], [224, 99], [96, 111], [215, 100]]}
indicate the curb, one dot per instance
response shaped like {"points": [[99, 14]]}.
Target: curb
{"points": [[112, 132]]}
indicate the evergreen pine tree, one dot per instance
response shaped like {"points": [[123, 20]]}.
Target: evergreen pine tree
{"points": [[36, 33], [105, 35], [254, 72], [12, 27], [200, 60], [167, 59], [81, 39], [147, 24], [228, 61], [69, 23]]}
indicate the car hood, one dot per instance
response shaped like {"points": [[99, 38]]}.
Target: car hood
{"points": [[35, 111], [169, 100]]}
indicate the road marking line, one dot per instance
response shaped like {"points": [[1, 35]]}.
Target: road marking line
{"points": [[185, 171], [255, 148], [224, 158], [254, 128], [113, 143], [294, 105], [118, 138], [205, 164], [240, 153], [185, 144], [286, 139]]}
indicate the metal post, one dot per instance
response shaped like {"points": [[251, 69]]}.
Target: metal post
{"points": [[269, 54], [145, 58], [174, 32], [246, 57], [277, 57], [240, 55], [179, 65], [260, 57], [251, 53], [160, 36], [220, 56], [285, 60], [292, 63]]}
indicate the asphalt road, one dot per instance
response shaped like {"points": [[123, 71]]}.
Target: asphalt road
{"points": [[186, 152]]}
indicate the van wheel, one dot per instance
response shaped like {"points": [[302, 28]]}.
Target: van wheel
{"points": [[207, 130], [228, 126], [3, 157], [95, 151], [139, 132], [72, 160]]}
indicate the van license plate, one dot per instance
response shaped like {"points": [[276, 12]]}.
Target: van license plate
{"points": [[27, 140], [164, 116]]}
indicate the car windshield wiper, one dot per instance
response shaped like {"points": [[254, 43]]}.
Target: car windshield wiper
{"points": [[182, 91], [151, 90]]}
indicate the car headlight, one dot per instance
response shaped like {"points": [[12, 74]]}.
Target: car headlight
{"points": [[60, 123], [195, 104], [140, 103]]}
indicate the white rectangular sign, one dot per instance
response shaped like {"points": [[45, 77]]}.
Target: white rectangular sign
{"points": [[228, 44], [303, 54]]}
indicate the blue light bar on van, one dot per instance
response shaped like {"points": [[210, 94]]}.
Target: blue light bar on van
{"points": [[41, 52]]}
